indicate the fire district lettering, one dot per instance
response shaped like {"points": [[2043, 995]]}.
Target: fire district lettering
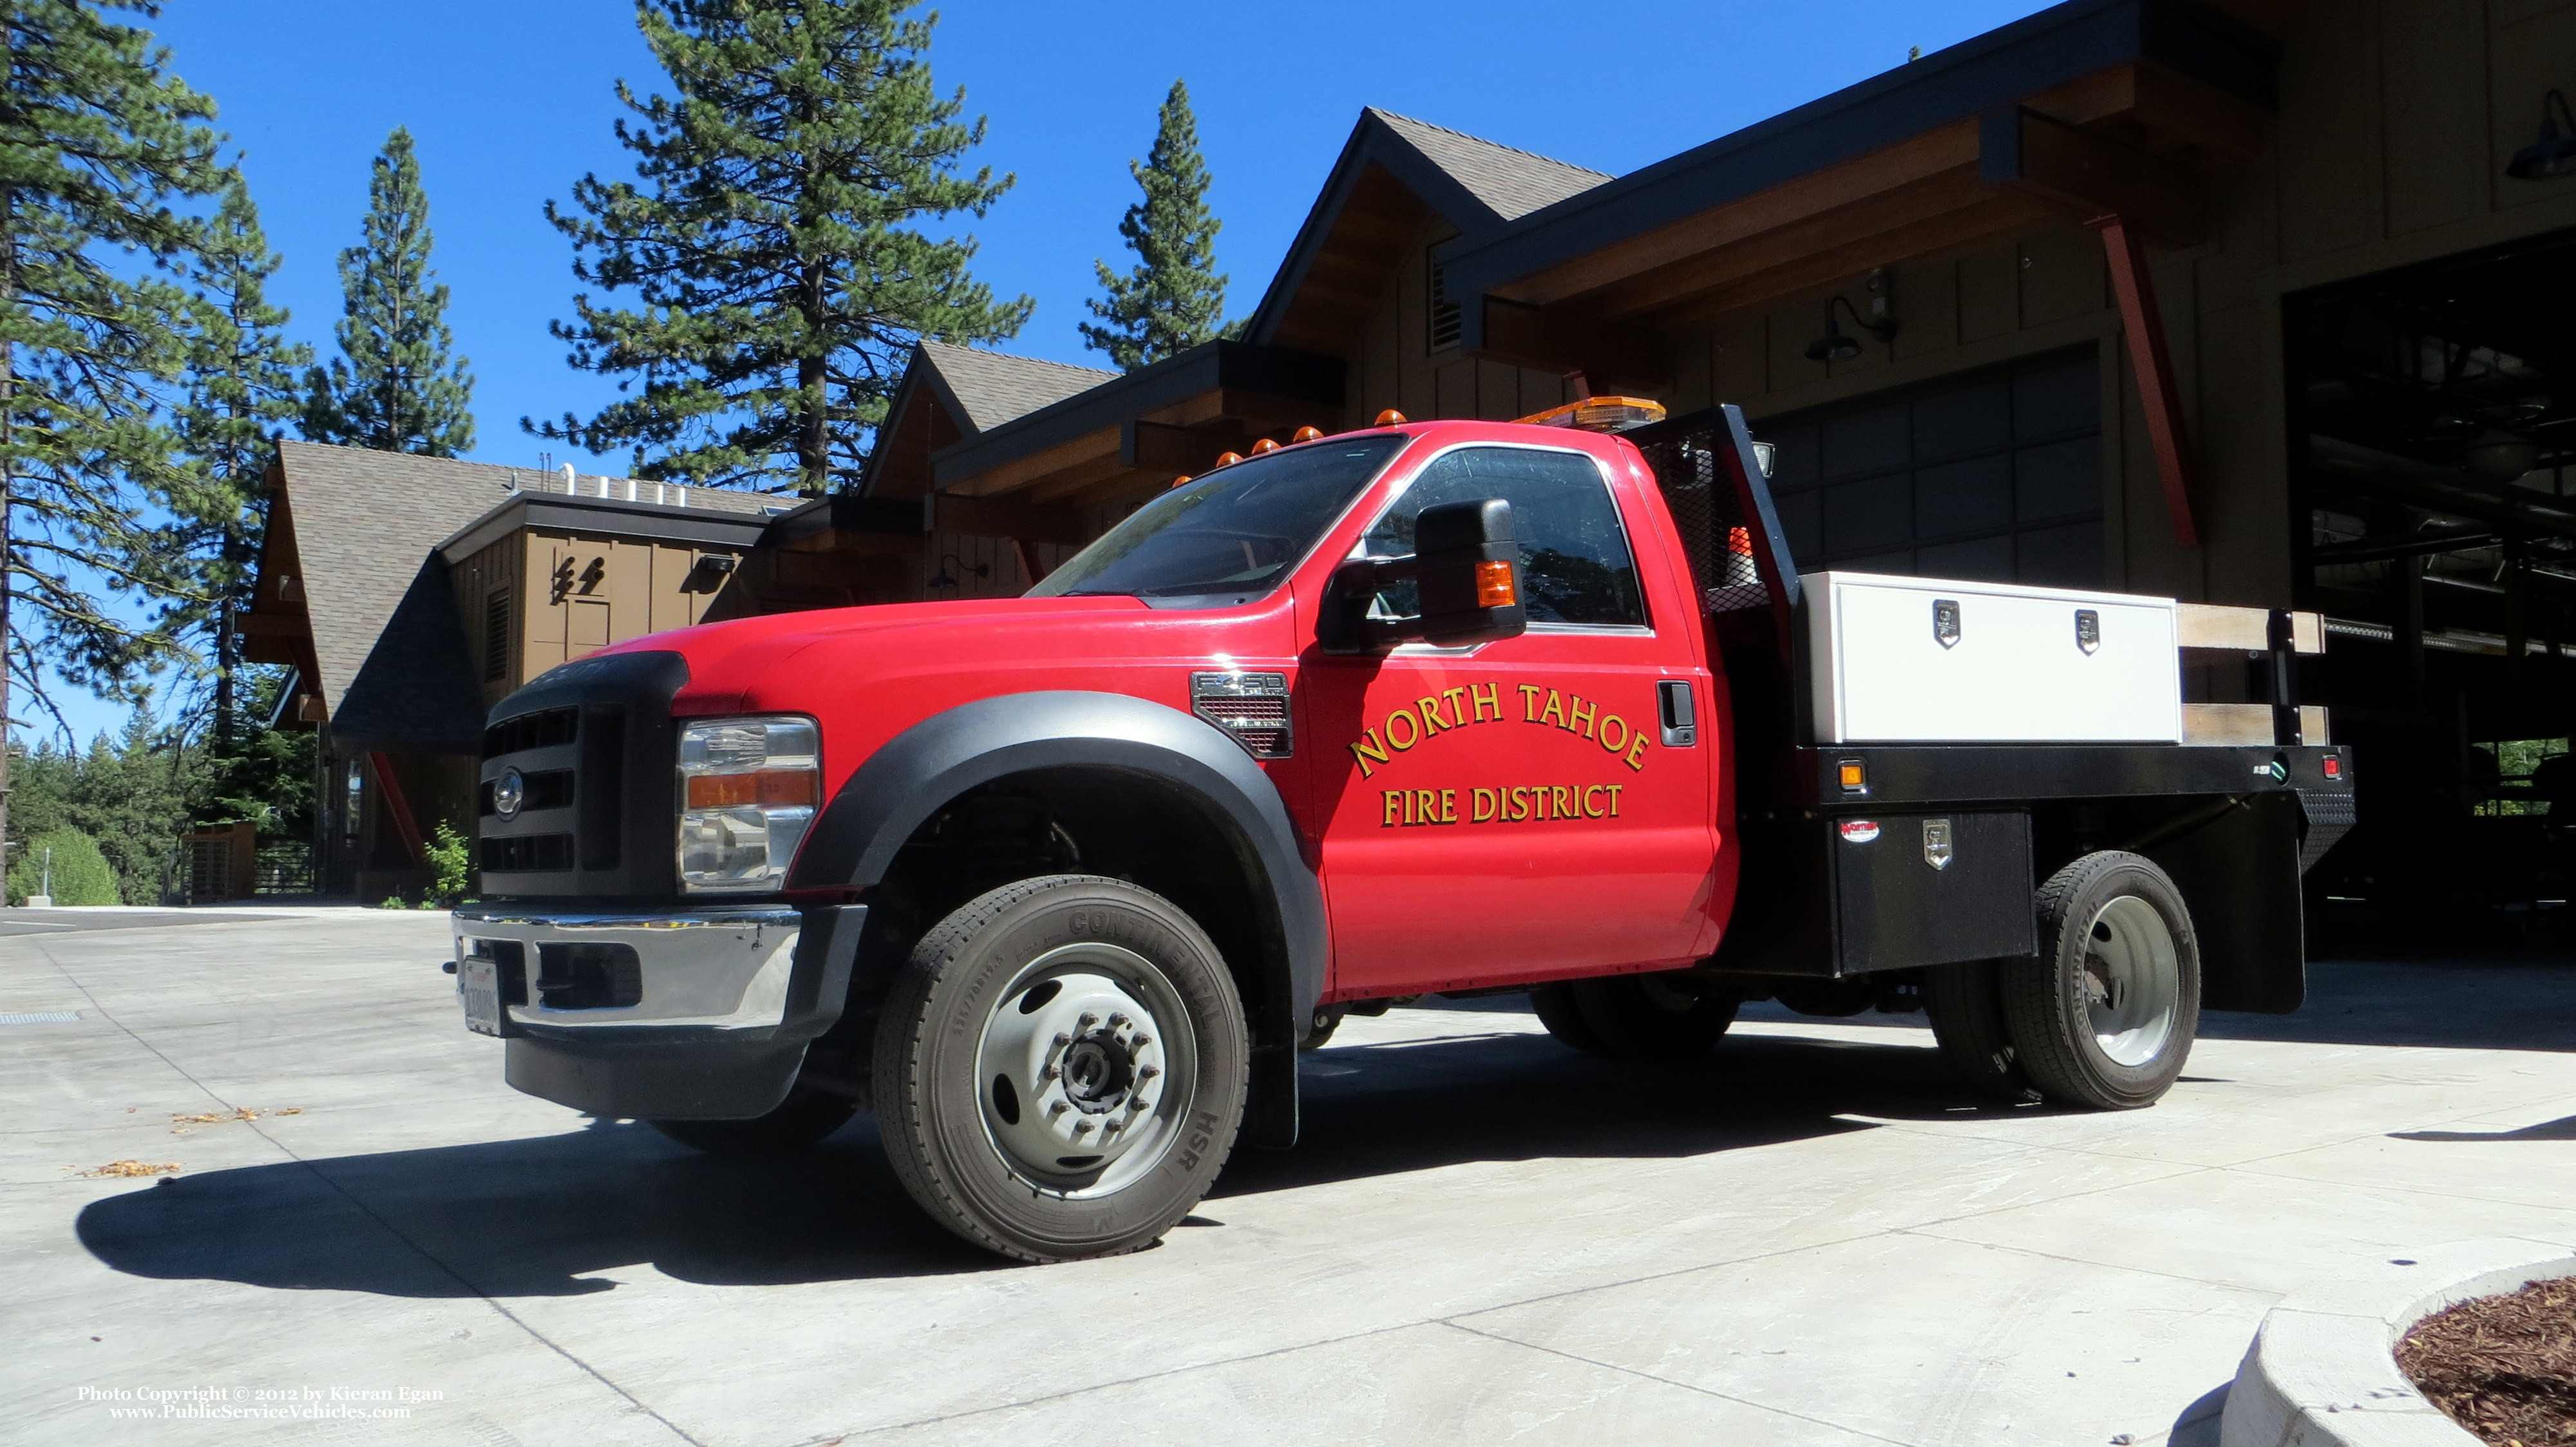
{"points": [[1501, 804], [1432, 715]]}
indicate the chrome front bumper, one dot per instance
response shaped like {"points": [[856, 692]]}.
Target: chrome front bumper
{"points": [[534, 971]]}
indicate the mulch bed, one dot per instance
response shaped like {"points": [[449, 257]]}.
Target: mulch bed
{"points": [[2503, 1366]]}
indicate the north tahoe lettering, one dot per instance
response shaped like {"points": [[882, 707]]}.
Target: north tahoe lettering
{"points": [[1432, 715]]}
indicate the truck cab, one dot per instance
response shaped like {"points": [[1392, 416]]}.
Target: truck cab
{"points": [[1058, 885]]}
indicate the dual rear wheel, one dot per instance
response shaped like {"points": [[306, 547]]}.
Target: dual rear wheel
{"points": [[2103, 1016]]}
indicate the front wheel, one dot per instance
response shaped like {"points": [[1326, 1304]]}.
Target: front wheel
{"points": [[2106, 1013], [1060, 1068]]}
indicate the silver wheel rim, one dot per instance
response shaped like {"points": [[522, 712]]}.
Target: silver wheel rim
{"points": [[2131, 979], [1085, 1070]]}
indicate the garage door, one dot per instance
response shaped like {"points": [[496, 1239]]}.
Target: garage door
{"points": [[1995, 478]]}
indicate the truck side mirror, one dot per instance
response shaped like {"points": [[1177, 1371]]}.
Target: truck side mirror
{"points": [[1466, 566]]}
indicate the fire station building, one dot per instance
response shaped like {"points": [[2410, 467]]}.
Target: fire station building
{"points": [[2266, 302]]}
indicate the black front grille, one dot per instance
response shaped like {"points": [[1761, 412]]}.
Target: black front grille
{"points": [[547, 789], [543, 729], [522, 852], [593, 742]]}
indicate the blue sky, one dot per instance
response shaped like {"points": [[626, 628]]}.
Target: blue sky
{"points": [[511, 102]]}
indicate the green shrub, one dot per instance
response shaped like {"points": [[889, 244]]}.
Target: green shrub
{"points": [[81, 874], [446, 850]]}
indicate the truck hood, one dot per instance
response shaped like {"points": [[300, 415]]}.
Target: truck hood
{"points": [[770, 662]]}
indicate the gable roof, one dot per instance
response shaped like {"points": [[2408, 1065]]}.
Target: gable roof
{"points": [[1392, 170], [1507, 182], [364, 524], [987, 389], [389, 650]]}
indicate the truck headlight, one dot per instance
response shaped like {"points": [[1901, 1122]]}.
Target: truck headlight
{"points": [[748, 787]]}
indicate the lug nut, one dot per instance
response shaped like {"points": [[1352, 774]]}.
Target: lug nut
{"points": [[1141, 1041], [1147, 1072], [1055, 1110], [1087, 1021], [1082, 1126], [1062, 1038]]}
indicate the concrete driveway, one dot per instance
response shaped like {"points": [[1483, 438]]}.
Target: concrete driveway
{"points": [[1811, 1237]]}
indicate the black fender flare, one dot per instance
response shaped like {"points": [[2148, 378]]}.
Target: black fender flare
{"points": [[932, 762]]}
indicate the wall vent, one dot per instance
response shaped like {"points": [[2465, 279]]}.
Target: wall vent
{"points": [[496, 635], [1444, 318]]}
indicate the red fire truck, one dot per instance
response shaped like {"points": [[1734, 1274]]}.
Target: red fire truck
{"points": [[1058, 885]]}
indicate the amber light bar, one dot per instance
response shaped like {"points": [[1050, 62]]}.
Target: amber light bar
{"points": [[768, 788], [1599, 414]]}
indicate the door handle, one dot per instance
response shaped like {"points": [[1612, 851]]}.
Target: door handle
{"points": [[1678, 716]]}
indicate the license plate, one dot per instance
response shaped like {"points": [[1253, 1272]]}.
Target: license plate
{"points": [[478, 985]]}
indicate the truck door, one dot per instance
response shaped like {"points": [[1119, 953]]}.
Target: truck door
{"points": [[1518, 809]]}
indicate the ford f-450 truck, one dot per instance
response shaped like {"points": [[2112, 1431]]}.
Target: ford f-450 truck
{"points": [[1058, 885]]}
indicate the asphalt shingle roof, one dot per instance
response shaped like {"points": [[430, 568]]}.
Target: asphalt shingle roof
{"points": [[1511, 183], [993, 388], [386, 634]]}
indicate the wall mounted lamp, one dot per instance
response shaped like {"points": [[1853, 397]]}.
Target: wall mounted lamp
{"points": [[947, 579], [2554, 154], [1834, 345]]}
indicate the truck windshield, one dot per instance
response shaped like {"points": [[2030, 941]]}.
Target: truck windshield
{"points": [[1230, 537]]}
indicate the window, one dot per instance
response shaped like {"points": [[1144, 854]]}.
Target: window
{"points": [[1575, 564], [1232, 535], [496, 635], [1992, 478]]}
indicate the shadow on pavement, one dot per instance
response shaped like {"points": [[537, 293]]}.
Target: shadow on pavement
{"points": [[2563, 1129], [532, 1217], [545, 1216]]}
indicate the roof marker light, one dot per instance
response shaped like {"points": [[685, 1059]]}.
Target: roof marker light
{"points": [[1226, 459], [1390, 418], [1306, 434], [1181, 481], [1264, 445], [1599, 414]]}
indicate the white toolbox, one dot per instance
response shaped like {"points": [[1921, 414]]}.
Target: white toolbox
{"points": [[1922, 660]]}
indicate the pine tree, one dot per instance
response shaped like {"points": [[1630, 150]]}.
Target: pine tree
{"points": [[772, 247], [100, 146], [239, 390], [397, 390], [1171, 302]]}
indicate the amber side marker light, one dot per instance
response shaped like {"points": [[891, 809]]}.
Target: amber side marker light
{"points": [[768, 788], [1495, 587], [1390, 418], [1854, 778], [1599, 414]]}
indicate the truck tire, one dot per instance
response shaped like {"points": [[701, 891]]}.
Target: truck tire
{"points": [[1060, 1068], [1966, 1003], [1557, 1010], [800, 1122], [1652, 1017], [2105, 1014]]}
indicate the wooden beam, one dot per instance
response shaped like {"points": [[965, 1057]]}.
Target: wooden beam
{"points": [[2153, 363], [1019, 472], [1065, 482], [994, 517], [1560, 339], [2081, 175], [399, 807], [1994, 216], [1814, 194], [1908, 205]]}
